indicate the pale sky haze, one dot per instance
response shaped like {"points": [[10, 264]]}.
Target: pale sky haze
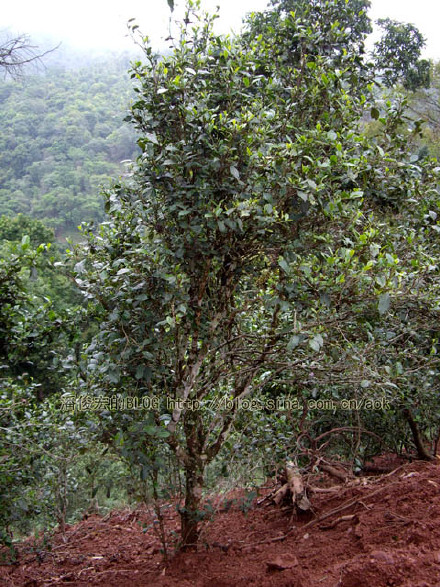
{"points": [[92, 24]]}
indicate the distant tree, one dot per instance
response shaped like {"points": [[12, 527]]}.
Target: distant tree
{"points": [[13, 229], [424, 104], [397, 55], [352, 17]]}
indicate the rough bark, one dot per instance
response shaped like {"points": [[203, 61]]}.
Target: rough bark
{"points": [[194, 466], [190, 514]]}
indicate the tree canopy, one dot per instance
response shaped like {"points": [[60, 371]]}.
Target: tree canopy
{"points": [[398, 55], [254, 244]]}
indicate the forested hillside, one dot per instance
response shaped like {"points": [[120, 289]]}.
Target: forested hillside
{"points": [[62, 137]]}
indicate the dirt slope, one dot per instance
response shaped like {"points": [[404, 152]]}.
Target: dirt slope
{"points": [[377, 531]]}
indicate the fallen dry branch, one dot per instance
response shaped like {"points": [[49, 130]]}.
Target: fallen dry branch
{"points": [[334, 489], [346, 506], [333, 524], [294, 487], [390, 473], [393, 518], [333, 472]]}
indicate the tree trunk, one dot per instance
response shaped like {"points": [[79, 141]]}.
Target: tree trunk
{"points": [[194, 463], [191, 514], [422, 453]]}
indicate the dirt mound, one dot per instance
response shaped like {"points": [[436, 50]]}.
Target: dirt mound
{"points": [[375, 531]]}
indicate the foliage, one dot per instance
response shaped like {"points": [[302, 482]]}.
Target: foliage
{"points": [[244, 249], [13, 229], [48, 279], [398, 55], [52, 470], [424, 104], [35, 336], [62, 137], [339, 26]]}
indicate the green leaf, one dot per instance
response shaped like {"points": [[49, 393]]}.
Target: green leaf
{"points": [[390, 259], [283, 264], [381, 280], [151, 137], [80, 267], [316, 342], [114, 375], [293, 342], [374, 113], [384, 303], [139, 372], [235, 172]]}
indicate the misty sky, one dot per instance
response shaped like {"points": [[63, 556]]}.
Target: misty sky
{"points": [[103, 23]]}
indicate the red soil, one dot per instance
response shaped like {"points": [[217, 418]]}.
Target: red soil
{"points": [[374, 531]]}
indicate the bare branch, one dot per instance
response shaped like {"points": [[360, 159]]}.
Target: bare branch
{"points": [[17, 52]]}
